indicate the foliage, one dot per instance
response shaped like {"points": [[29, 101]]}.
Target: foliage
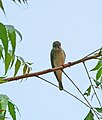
{"points": [[90, 116], [7, 55], [15, 1], [98, 84], [7, 50], [8, 37], [88, 91], [98, 79], [98, 70], [5, 104]]}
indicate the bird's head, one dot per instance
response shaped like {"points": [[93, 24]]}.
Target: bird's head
{"points": [[56, 44]]}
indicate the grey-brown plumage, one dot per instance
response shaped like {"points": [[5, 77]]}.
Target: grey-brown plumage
{"points": [[57, 59]]}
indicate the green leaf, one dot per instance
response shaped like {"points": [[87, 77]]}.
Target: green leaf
{"points": [[2, 81], [3, 101], [24, 68], [1, 52], [23, 62], [12, 36], [20, 1], [12, 29], [101, 87], [29, 63], [99, 64], [101, 79], [7, 62], [14, 1], [97, 83], [1, 6], [29, 69], [17, 66], [11, 109], [2, 111], [3, 117], [99, 110], [3, 37], [20, 35], [99, 73], [90, 116], [25, 1], [88, 91], [18, 110], [12, 61]]}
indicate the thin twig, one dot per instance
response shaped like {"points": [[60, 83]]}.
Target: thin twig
{"points": [[93, 52], [81, 93], [92, 84], [64, 91], [69, 94]]}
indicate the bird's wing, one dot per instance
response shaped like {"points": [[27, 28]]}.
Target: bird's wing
{"points": [[64, 55], [52, 56]]}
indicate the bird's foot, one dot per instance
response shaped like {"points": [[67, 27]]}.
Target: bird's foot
{"points": [[70, 63]]}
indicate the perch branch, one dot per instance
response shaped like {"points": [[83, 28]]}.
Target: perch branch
{"points": [[69, 64]]}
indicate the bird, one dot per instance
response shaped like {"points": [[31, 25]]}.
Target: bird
{"points": [[57, 57]]}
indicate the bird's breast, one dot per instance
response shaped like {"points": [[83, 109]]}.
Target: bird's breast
{"points": [[59, 57]]}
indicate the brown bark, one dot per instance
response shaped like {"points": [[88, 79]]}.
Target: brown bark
{"points": [[69, 64]]}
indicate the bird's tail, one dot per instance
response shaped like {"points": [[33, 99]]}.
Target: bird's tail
{"points": [[60, 85]]}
